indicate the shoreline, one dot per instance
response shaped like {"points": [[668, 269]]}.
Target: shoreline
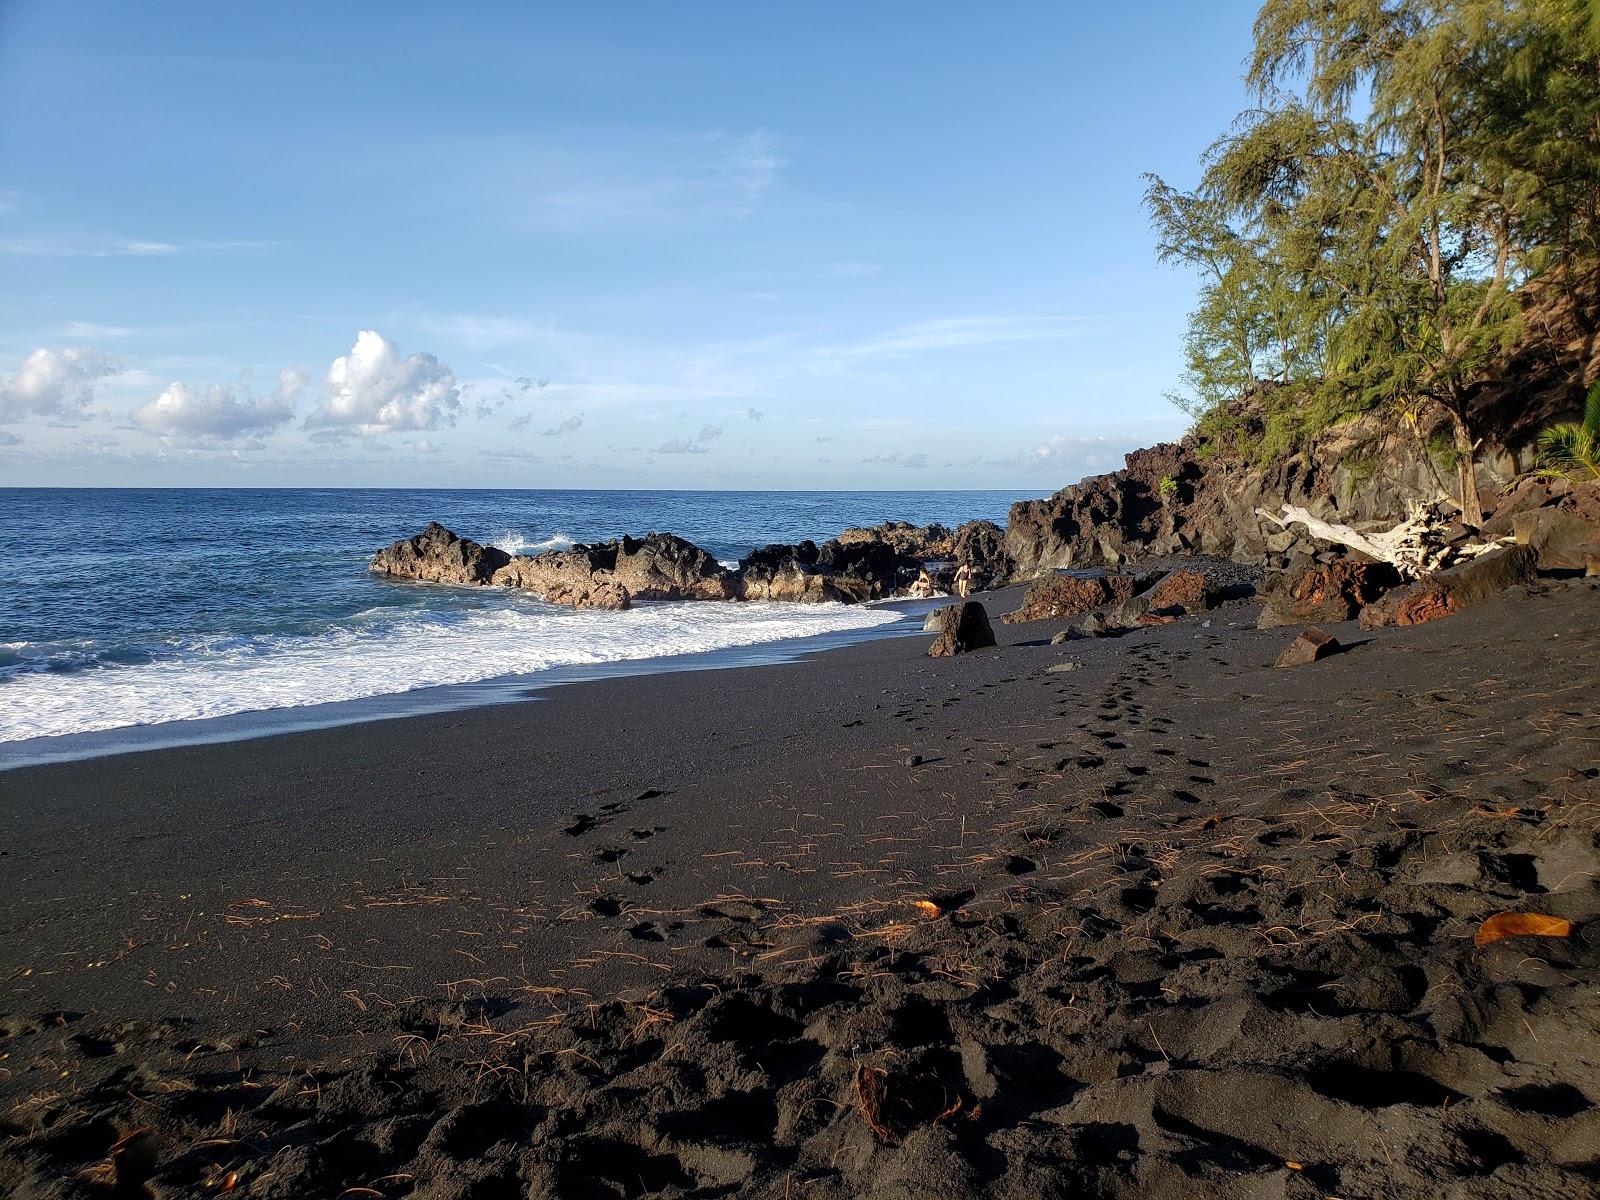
{"points": [[440, 698], [655, 936]]}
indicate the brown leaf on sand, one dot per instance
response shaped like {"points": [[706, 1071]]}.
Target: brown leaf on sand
{"points": [[1515, 924]]}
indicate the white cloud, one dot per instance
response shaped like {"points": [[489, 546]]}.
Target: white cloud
{"points": [[755, 414], [710, 433], [54, 383], [89, 329], [220, 412], [424, 446], [681, 446], [1062, 453], [954, 333], [570, 425], [373, 390], [9, 439], [914, 462], [511, 454]]}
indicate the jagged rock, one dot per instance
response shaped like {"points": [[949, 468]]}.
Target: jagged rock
{"points": [[980, 546], [846, 573], [1448, 592], [1311, 645], [1094, 625], [436, 555], [920, 542], [659, 566], [1189, 590], [1059, 596], [1336, 592], [1064, 635], [612, 575], [962, 628]]}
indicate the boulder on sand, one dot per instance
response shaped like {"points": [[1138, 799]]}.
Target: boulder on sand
{"points": [[962, 628], [1445, 593], [1336, 592], [1311, 645], [1564, 540]]}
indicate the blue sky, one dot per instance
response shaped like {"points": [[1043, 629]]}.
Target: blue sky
{"points": [[728, 245]]}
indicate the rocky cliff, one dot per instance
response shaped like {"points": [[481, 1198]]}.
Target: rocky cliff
{"points": [[1192, 497]]}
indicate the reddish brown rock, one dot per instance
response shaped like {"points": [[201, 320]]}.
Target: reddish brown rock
{"points": [[1309, 647], [1448, 592], [1188, 590], [1335, 592], [1060, 596]]}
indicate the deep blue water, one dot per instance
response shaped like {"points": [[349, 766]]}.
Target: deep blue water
{"points": [[134, 607]]}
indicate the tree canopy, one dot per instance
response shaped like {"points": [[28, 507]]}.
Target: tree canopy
{"points": [[1360, 234]]}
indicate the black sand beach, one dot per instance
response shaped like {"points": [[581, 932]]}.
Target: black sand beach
{"points": [[1173, 923]]}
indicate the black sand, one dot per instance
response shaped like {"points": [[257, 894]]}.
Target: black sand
{"points": [[1171, 924]]}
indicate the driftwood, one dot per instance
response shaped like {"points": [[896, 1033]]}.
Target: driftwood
{"points": [[1415, 547]]}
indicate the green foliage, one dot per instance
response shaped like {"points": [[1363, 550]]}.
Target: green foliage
{"points": [[1571, 450], [1168, 487], [1360, 235]]}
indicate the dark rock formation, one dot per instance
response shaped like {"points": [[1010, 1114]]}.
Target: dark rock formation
{"points": [[924, 543], [981, 546], [1059, 596], [1189, 497], [962, 628], [1311, 645], [1448, 592], [438, 556], [1336, 592], [865, 568]]}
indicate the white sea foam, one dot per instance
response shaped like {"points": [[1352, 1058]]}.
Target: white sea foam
{"points": [[383, 652], [514, 541]]}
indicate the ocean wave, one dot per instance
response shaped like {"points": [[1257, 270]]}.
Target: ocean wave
{"points": [[514, 541], [372, 656]]}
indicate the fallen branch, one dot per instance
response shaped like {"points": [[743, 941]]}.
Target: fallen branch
{"points": [[1415, 547]]}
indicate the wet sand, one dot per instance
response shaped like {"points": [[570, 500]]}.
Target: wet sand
{"points": [[1172, 923]]}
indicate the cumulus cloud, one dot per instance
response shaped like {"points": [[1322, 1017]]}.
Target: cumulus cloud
{"points": [[681, 446], [570, 425], [518, 424], [424, 446], [374, 390], [915, 462], [9, 439], [54, 383], [710, 433], [1061, 453], [755, 414], [221, 413]]}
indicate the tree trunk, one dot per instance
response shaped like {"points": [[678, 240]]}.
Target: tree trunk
{"points": [[1467, 472]]}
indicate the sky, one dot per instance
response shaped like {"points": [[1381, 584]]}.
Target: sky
{"points": [[620, 245]]}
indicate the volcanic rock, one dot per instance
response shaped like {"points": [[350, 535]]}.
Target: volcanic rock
{"points": [[1310, 646], [1189, 590], [962, 628], [1057, 596], [436, 555], [1336, 592], [1448, 592]]}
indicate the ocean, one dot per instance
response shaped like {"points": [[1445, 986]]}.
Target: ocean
{"points": [[140, 607]]}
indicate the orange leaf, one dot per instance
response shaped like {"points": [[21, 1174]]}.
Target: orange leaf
{"points": [[1294, 1166], [1515, 924], [926, 907]]}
